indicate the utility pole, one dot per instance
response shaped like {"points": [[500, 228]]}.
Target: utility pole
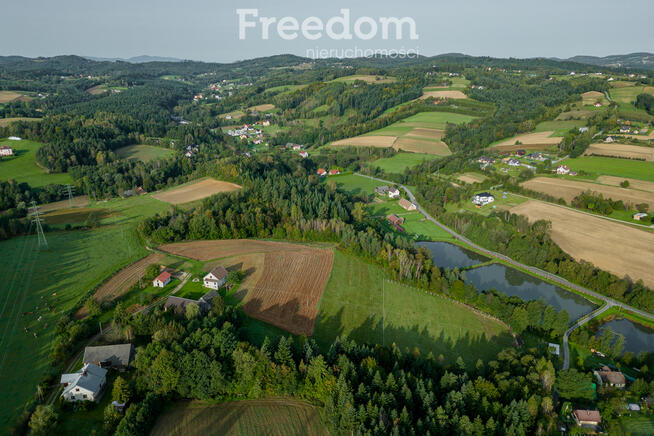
{"points": [[68, 190], [37, 220]]}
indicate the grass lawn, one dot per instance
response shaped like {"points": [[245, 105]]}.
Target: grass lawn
{"points": [[143, 152], [559, 127], [638, 425], [500, 203], [355, 184], [598, 166], [284, 89], [274, 416], [353, 305], [192, 290], [22, 166], [424, 230], [436, 120], [143, 297], [401, 161], [381, 208], [458, 83]]}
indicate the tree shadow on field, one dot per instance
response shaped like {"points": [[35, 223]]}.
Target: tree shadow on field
{"points": [[411, 339], [286, 316]]}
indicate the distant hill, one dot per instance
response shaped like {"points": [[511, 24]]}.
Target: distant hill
{"points": [[633, 60], [135, 59]]}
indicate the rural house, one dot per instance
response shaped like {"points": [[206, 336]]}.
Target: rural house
{"points": [[162, 280], [587, 417], [483, 199], [395, 221], [583, 129], [334, 172], [178, 304], [639, 216], [87, 384], [15, 138], [394, 193], [612, 378], [514, 163], [381, 190], [609, 139], [6, 151], [562, 169], [625, 129], [406, 204], [117, 356], [321, 172], [597, 104], [304, 154], [215, 278]]}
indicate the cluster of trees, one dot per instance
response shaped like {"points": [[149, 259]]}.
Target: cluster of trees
{"points": [[368, 390], [596, 203], [645, 101]]}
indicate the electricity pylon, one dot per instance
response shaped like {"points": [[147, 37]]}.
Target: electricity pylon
{"points": [[68, 190], [37, 220]]}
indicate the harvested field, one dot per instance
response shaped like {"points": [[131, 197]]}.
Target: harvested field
{"points": [[120, 283], [262, 107], [4, 122], [195, 191], [443, 94], [428, 146], [621, 150], [633, 183], [366, 141], [471, 178], [283, 284], [98, 89], [575, 114], [81, 201], [7, 96], [77, 215], [241, 418], [591, 97], [428, 133], [529, 141], [569, 189], [617, 248]]}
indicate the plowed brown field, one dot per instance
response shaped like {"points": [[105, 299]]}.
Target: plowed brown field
{"points": [[569, 189], [119, 283], [195, 191], [283, 282], [621, 150]]}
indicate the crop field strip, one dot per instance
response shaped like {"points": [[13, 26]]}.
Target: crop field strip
{"points": [[621, 151], [596, 240], [569, 189], [195, 191]]}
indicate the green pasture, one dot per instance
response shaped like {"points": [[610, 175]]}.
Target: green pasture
{"points": [[401, 161], [143, 152], [22, 166], [598, 166]]}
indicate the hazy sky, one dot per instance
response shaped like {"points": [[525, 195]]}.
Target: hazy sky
{"points": [[208, 29]]}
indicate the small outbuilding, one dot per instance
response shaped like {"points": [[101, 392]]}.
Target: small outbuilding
{"points": [[162, 280]]}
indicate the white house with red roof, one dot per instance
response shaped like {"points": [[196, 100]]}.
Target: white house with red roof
{"points": [[334, 172], [562, 169], [321, 172], [6, 151], [162, 280]]}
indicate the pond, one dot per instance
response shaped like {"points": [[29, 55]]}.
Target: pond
{"points": [[516, 283], [446, 255], [637, 337]]}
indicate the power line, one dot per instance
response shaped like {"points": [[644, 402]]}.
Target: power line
{"points": [[69, 190], [37, 221]]}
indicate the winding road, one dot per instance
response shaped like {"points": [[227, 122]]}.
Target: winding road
{"points": [[608, 302]]}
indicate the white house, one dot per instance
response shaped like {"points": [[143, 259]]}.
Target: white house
{"points": [[406, 204], [514, 163], [15, 138], [394, 193], [562, 169], [87, 384], [162, 280], [216, 278], [483, 199], [304, 154], [6, 151], [609, 139], [583, 129]]}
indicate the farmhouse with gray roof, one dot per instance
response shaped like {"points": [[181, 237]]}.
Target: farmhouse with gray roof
{"points": [[87, 384], [117, 356]]}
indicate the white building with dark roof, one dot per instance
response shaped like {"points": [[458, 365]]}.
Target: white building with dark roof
{"points": [[216, 278], [87, 384]]}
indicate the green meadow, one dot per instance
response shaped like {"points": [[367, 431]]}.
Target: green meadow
{"points": [[22, 166], [143, 152], [360, 302], [598, 166], [401, 161]]}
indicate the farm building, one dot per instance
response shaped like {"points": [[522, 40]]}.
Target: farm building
{"points": [[514, 163], [215, 278], [483, 199], [178, 304], [382, 190], [598, 104], [87, 384], [612, 378], [639, 216], [562, 169], [587, 417], [117, 356], [520, 153], [162, 280], [609, 139], [15, 138], [334, 172], [395, 221], [304, 154], [321, 172], [6, 151], [625, 129], [583, 129], [406, 204], [394, 193]]}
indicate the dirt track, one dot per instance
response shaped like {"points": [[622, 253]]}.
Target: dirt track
{"points": [[617, 248]]}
